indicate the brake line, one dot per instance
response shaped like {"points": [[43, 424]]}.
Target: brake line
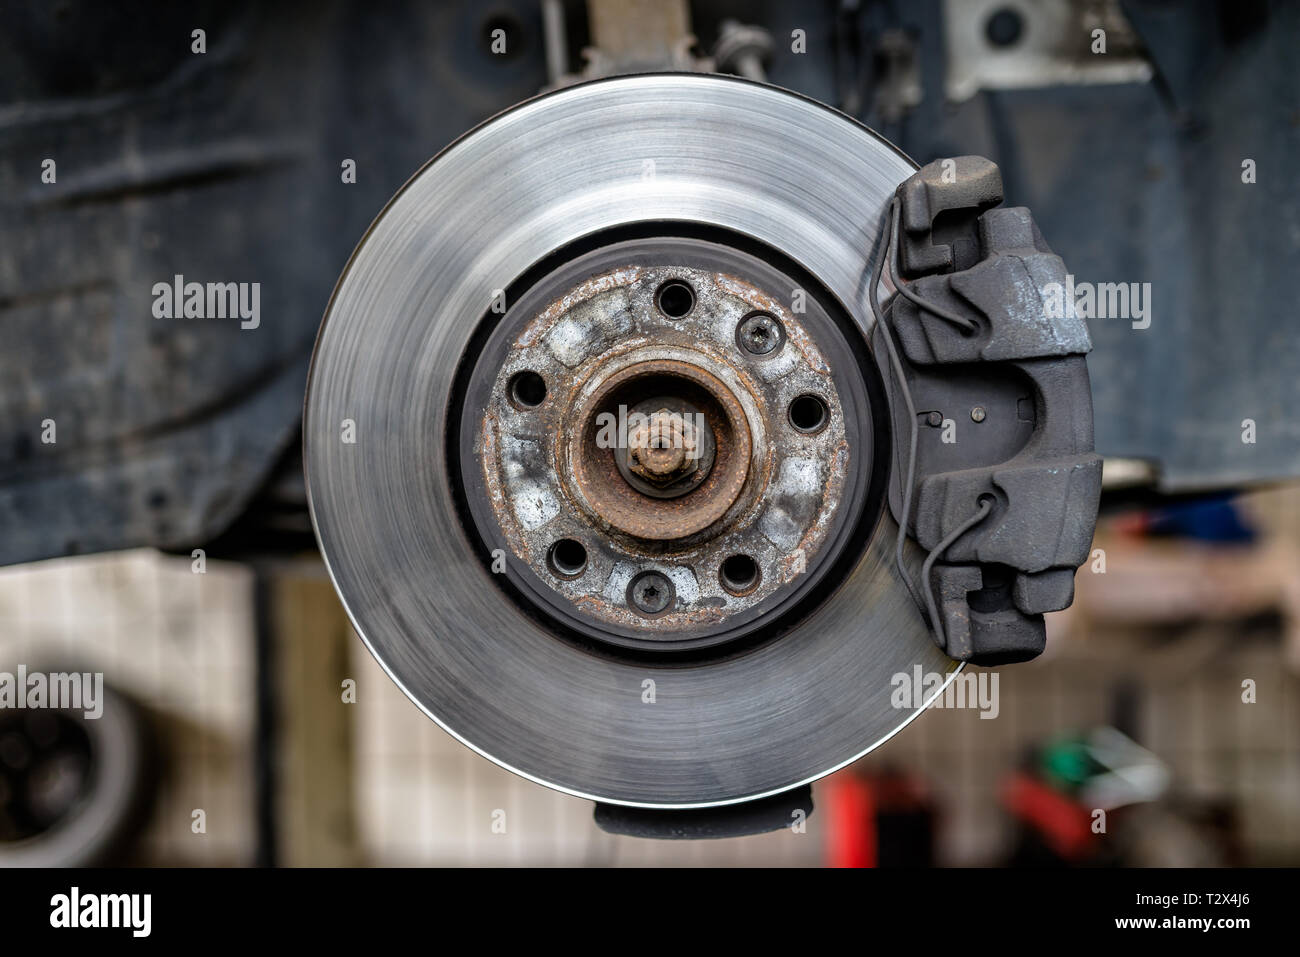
{"points": [[966, 325], [927, 604], [940, 634]]}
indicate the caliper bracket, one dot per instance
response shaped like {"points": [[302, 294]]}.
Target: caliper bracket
{"points": [[1003, 413]]}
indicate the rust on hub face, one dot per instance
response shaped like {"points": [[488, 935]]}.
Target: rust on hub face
{"points": [[660, 449], [663, 445]]}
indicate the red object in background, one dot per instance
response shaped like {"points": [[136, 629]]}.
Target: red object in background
{"points": [[1063, 825], [850, 807], [1132, 524]]}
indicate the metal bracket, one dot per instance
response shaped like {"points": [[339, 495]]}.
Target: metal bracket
{"points": [[1003, 413], [759, 816]]}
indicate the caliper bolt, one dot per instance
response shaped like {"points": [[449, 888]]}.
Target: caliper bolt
{"points": [[651, 593], [978, 414], [759, 334]]}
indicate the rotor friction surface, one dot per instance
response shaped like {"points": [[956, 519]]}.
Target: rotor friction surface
{"points": [[688, 148]]}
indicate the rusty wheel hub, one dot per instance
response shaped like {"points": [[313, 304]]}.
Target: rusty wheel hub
{"points": [[659, 448], [670, 419]]}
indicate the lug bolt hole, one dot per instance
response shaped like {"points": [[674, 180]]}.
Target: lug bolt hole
{"points": [[739, 574], [809, 414], [567, 558], [527, 390], [675, 299]]}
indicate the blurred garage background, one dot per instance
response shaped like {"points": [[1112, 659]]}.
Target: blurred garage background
{"points": [[1194, 601], [261, 730]]}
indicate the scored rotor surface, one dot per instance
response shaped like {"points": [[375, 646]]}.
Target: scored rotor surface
{"points": [[698, 149]]}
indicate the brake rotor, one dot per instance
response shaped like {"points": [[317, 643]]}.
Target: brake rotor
{"points": [[694, 250]]}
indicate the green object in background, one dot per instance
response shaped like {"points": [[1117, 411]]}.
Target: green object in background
{"points": [[1067, 764]]}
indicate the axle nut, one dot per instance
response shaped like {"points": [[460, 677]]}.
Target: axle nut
{"points": [[664, 448]]}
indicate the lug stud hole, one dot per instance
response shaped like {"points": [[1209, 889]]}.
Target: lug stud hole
{"points": [[567, 558], [739, 574], [809, 414], [675, 299], [527, 390]]}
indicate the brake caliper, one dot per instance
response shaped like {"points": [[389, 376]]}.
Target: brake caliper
{"points": [[1004, 489]]}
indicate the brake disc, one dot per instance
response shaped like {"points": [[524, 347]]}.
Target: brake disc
{"points": [[626, 623]]}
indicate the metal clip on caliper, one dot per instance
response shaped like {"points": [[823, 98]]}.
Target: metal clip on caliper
{"points": [[995, 477]]}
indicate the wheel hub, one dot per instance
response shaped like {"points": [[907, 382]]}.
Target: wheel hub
{"points": [[663, 446]]}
